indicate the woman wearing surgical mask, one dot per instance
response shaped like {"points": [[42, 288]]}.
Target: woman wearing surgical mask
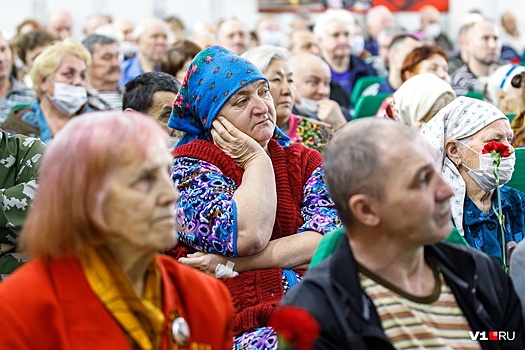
{"points": [[59, 76], [458, 133]]}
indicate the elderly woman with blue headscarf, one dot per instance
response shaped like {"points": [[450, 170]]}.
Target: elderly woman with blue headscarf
{"points": [[252, 208], [459, 133]]}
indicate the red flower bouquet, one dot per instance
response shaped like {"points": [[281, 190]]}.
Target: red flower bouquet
{"points": [[497, 151], [296, 328]]}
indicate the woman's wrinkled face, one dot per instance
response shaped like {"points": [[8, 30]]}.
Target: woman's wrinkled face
{"points": [[140, 206], [252, 111], [281, 88]]}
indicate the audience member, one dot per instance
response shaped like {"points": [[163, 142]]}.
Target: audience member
{"points": [[380, 62], [245, 194], [179, 57], [510, 35], [418, 293], [95, 21], [20, 158], [506, 90], [303, 40], [152, 44], [104, 73], [426, 59], [398, 50], [269, 31], [483, 50], [272, 61], [12, 91], [312, 81], [431, 28], [335, 29], [177, 27], [59, 24], [59, 76], [459, 132], [415, 104], [153, 94], [31, 45], [26, 26], [459, 57], [95, 279], [233, 35], [377, 19], [128, 46]]}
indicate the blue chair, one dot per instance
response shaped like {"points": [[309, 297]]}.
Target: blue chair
{"points": [[518, 177]]}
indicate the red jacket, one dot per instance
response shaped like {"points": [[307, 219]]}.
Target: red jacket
{"points": [[50, 305]]}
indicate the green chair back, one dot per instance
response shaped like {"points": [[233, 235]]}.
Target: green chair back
{"points": [[474, 94], [367, 106], [511, 117], [518, 177], [361, 86]]}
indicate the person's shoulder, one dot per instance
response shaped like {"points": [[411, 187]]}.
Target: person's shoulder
{"points": [[513, 194], [18, 290]]}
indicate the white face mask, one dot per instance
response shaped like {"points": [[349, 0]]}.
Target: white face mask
{"points": [[67, 98], [432, 30], [272, 37], [358, 45], [484, 175], [307, 108]]}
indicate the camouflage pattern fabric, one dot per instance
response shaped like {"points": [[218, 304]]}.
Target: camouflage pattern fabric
{"points": [[20, 157]]}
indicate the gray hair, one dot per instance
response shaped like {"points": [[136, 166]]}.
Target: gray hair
{"points": [[353, 161], [90, 41], [262, 56], [333, 15]]}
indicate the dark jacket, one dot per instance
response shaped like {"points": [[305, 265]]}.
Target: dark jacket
{"points": [[331, 292]]}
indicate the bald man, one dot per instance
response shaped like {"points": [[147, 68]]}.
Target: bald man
{"points": [[152, 43], [312, 78], [60, 24]]}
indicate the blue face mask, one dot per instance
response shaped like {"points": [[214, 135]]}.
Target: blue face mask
{"points": [[484, 175]]}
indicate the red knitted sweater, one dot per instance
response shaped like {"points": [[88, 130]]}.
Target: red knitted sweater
{"points": [[256, 293]]}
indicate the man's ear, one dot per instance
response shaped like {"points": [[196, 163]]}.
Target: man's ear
{"points": [[452, 151], [129, 110], [364, 210]]}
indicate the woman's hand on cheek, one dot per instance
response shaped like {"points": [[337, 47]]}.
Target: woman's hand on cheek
{"points": [[239, 146]]}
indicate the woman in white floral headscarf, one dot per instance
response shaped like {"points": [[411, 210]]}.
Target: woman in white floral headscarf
{"points": [[459, 132]]}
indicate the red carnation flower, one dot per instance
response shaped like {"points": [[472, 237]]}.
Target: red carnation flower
{"points": [[295, 327], [498, 147]]}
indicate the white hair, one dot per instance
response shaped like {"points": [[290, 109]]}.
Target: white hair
{"points": [[334, 15], [262, 56]]}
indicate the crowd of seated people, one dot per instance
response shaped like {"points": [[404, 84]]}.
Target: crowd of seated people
{"points": [[236, 189]]}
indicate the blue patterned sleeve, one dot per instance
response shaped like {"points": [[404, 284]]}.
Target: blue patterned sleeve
{"points": [[206, 213], [318, 209]]}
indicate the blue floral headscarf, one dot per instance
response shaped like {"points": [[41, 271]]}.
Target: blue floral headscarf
{"points": [[213, 76]]}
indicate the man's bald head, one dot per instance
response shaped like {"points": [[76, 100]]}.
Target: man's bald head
{"points": [[312, 76]]}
